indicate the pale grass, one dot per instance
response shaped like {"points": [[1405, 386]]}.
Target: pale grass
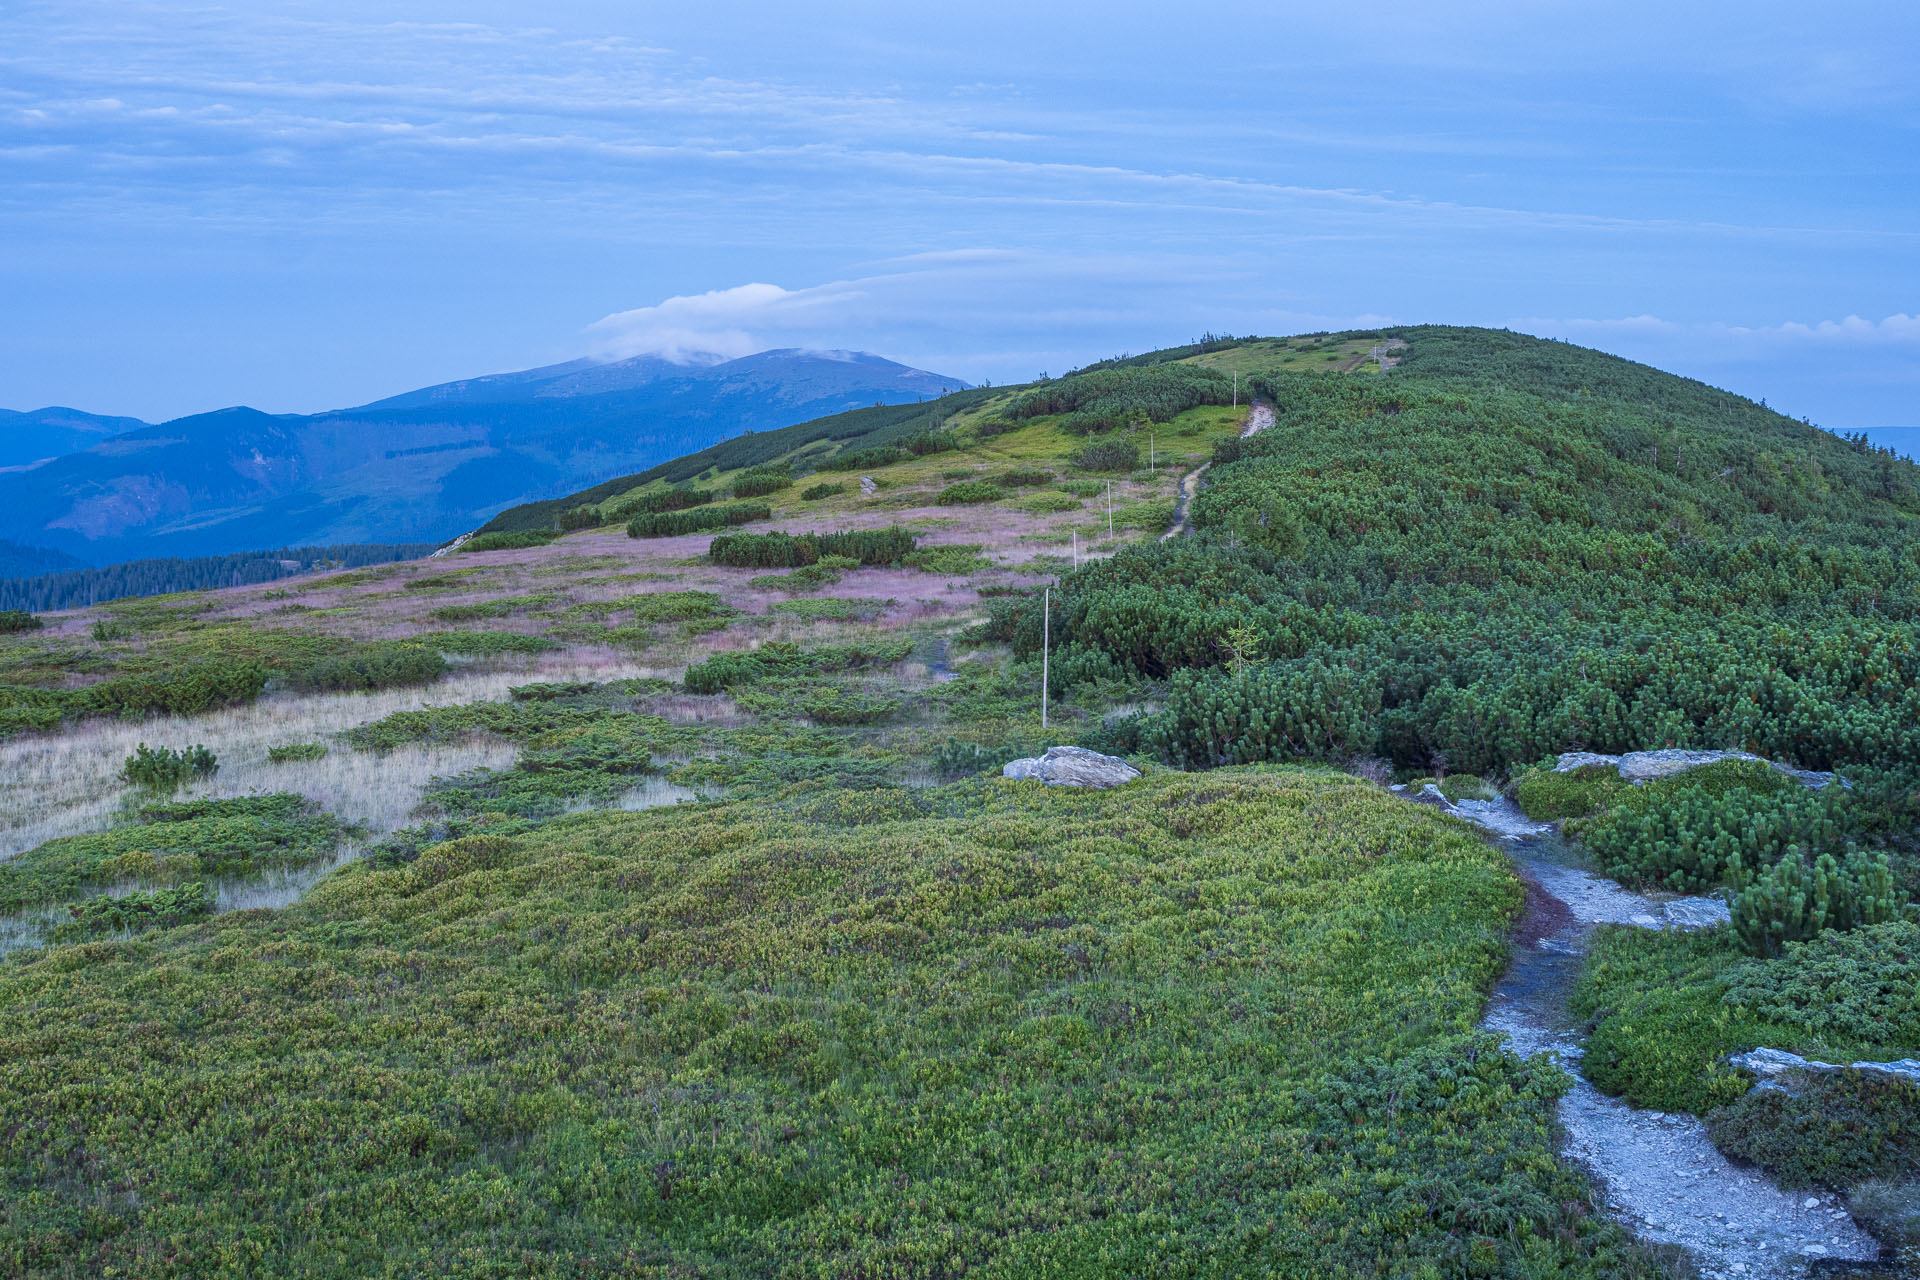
{"points": [[66, 783]]}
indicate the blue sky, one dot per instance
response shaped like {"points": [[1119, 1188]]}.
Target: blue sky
{"points": [[301, 206]]}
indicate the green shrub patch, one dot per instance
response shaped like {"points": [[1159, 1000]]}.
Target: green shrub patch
{"points": [[725, 670], [731, 1041], [170, 844], [517, 540], [789, 550], [968, 492], [165, 769], [666, 524]]}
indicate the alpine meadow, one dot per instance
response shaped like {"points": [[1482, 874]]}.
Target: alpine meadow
{"points": [[1499, 857]]}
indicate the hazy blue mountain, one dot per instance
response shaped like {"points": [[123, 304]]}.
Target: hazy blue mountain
{"points": [[426, 464], [17, 561], [39, 434]]}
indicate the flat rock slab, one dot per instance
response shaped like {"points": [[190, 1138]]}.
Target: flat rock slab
{"points": [[1072, 767], [1768, 1063], [1650, 766]]}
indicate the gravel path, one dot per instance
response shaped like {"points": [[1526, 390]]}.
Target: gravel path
{"points": [[1663, 1178], [1259, 418]]}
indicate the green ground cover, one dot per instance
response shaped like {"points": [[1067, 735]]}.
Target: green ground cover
{"points": [[168, 844], [1222, 1022]]}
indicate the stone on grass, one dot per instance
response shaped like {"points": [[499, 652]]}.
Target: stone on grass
{"points": [[1650, 766], [1073, 767], [1768, 1063]]}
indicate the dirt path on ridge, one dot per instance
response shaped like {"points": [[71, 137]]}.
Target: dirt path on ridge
{"points": [[1259, 418]]}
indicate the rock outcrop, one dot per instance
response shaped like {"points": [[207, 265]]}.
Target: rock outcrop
{"points": [[1073, 767], [1650, 766], [1771, 1063]]}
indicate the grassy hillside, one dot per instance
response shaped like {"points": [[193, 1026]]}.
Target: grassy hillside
{"points": [[617, 895], [857, 428]]}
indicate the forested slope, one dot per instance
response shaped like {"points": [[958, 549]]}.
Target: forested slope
{"points": [[1506, 548]]}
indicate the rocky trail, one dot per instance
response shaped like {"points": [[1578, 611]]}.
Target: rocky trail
{"points": [[1661, 1174], [1259, 418]]}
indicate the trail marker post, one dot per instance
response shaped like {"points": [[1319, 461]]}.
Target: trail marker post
{"points": [[1046, 647]]}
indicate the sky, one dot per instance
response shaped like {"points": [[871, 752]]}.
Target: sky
{"points": [[302, 206]]}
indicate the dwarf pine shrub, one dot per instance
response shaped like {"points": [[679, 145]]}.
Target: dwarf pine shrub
{"points": [[1794, 901], [164, 769]]}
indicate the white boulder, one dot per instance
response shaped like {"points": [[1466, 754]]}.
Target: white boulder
{"points": [[1073, 767]]}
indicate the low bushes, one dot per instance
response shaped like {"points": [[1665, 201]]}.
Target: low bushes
{"points": [[930, 442], [676, 606], [1022, 478], [172, 844], [725, 670], [385, 665], [865, 459], [292, 752], [957, 560], [632, 504], [761, 481], [1108, 455], [576, 518], [1283, 711], [1861, 985], [136, 911], [1546, 796], [12, 620], [1661, 1027], [1044, 503], [831, 608], [666, 524], [499, 607], [821, 701], [515, 541], [1241, 1006], [1684, 832], [186, 690], [164, 769], [1667, 1008], [790, 551], [480, 644], [1465, 786], [1103, 399], [1795, 900], [968, 492], [826, 489], [1831, 1130]]}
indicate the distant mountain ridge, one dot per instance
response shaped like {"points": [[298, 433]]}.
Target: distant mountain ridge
{"points": [[38, 435], [420, 466]]}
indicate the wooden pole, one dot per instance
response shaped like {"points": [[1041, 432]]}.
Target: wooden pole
{"points": [[1110, 507], [1046, 647]]}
